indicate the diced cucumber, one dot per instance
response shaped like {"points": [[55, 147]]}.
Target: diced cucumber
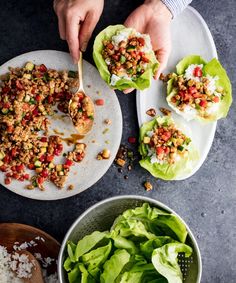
{"points": [[27, 76], [5, 110], [2, 155], [29, 66], [37, 163], [43, 149], [27, 98], [122, 59], [41, 108], [180, 148], [32, 101]]}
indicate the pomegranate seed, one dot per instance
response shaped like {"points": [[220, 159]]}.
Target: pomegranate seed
{"points": [[3, 168], [43, 139], [19, 168]]}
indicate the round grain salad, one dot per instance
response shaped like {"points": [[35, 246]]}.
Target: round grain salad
{"points": [[167, 152], [199, 90], [124, 57]]}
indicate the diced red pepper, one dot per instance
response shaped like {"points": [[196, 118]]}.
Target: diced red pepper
{"points": [[3, 168], [197, 72], [20, 167], [68, 162], [13, 152], [216, 99], [42, 68], [99, 102], [159, 150], [110, 46], [26, 176], [7, 181], [38, 98], [203, 103], [44, 173], [19, 85], [35, 112], [49, 158], [40, 180], [132, 140], [141, 41], [43, 139], [192, 90], [31, 166], [166, 136]]}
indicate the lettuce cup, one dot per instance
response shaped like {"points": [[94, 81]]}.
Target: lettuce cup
{"points": [[124, 58], [199, 90], [167, 152]]}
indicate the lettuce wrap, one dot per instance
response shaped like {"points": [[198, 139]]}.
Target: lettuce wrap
{"points": [[222, 90], [163, 170], [142, 81]]}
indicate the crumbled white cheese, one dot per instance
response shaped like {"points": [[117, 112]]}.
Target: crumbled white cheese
{"points": [[189, 72]]}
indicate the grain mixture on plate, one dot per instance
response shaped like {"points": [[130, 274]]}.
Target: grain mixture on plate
{"points": [[27, 96]]}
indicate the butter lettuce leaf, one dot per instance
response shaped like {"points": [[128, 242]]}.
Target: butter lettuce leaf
{"points": [[141, 82]]}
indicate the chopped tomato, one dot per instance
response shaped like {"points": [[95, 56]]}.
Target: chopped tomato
{"points": [[192, 90], [42, 68], [21, 178], [7, 181], [6, 105], [80, 156], [38, 98], [50, 99], [116, 57], [15, 176], [26, 176], [20, 167], [31, 166], [197, 72], [3, 168], [13, 152], [42, 158], [203, 103], [6, 159], [6, 89], [99, 102], [216, 99], [167, 150], [132, 140], [145, 59], [35, 112]]}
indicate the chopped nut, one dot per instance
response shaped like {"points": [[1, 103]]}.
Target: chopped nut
{"points": [[165, 111], [70, 187], [29, 187], [106, 153], [148, 186], [99, 157], [151, 112], [120, 162], [107, 121]]}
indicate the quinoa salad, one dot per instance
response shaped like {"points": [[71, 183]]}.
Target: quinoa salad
{"points": [[127, 56], [27, 98], [199, 91]]}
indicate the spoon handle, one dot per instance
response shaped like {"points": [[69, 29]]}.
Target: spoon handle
{"points": [[80, 71]]}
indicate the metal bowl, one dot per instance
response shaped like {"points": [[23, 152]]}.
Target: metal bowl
{"points": [[101, 216]]}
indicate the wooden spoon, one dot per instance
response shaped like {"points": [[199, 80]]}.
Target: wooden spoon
{"points": [[37, 275], [85, 124]]}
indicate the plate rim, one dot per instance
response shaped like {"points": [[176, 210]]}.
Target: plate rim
{"points": [[57, 197], [214, 124]]}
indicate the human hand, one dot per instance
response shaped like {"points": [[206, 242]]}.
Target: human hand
{"points": [[76, 21], [153, 18]]}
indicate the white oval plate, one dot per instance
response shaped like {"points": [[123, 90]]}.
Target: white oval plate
{"points": [[83, 175], [190, 35]]}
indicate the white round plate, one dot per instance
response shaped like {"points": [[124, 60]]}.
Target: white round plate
{"points": [[190, 35], [83, 175]]}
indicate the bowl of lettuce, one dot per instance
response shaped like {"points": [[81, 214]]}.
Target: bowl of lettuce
{"points": [[124, 58], [199, 90], [130, 239]]}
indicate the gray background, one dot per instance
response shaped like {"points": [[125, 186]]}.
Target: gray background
{"points": [[207, 201]]}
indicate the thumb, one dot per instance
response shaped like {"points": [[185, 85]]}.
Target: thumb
{"points": [[136, 20], [162, 57], [86, 29]]}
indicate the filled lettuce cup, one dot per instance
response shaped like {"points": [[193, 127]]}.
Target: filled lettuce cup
{"points": [[124, 57], [167, 152], [199, 90]]}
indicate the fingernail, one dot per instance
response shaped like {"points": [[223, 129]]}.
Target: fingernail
{"points": [[84, 46]]}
